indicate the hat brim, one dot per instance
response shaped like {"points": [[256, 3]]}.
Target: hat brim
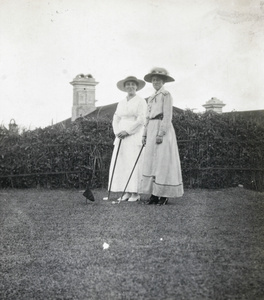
{"points": [[166, 78], [121, 84]]}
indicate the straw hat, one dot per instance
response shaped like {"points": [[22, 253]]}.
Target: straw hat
{"points": [[160, 72], [121, 83]]}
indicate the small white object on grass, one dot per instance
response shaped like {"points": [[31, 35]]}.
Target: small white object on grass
{"points": [[105, 246], [114, 202], [161, 239], [105, 198]]}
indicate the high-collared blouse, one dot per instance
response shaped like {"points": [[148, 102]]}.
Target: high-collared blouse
{"points": [[160, 103]]}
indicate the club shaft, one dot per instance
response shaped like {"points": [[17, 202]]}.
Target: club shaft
{"points": [[112, 175], [132, 170]]}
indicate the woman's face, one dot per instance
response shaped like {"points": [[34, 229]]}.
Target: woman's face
{"points": [[157, 82], [131, 87]]}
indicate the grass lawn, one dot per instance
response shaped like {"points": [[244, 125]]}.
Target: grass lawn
{"points": [[207, 245]]}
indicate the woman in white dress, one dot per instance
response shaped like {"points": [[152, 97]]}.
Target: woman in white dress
{"points": [[162, 176], [128, 124]]}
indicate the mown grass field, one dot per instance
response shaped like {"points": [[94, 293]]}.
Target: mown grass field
{"points": [[207, 245]]}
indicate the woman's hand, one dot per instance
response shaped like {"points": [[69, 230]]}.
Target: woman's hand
{"points": [[159, 139], [122, 134], [144, 140]]}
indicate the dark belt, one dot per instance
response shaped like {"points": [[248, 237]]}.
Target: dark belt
{"points": [[157, 117]]}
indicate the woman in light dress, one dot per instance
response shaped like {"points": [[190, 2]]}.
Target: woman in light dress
{"points": [[162, 176], [128, 124]]}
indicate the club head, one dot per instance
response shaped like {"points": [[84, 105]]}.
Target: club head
{"points": [[88, 194]]}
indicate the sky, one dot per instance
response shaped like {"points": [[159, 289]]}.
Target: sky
{"points": [[213, 48]]}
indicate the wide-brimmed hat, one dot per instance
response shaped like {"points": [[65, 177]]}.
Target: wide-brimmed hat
{"points": [[160, 72], [121, 83]]}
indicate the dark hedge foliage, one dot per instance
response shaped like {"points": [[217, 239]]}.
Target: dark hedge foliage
{"points": [[220, 150], [58, 157], [216, 150]]}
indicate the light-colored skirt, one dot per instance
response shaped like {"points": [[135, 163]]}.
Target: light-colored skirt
{"points": [[125, 161], [161, 169]]}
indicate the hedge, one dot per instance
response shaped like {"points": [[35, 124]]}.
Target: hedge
{"points": [[216, 151]]}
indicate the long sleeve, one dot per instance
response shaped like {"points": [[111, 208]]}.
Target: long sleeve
{"points": [[167, 114], [146, 125], [115, 123], [140, 118]]}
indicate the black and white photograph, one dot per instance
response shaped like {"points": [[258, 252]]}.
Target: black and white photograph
{"points": [[131, 149]]}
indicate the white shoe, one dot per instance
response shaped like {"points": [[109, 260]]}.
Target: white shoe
{"points": [[125, 197], [134, 198]]}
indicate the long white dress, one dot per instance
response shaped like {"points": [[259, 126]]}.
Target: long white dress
{"points": [[161, 166], [129, 116]]}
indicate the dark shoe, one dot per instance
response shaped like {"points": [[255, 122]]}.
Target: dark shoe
{"points": [[153, 200], [163, 201]]}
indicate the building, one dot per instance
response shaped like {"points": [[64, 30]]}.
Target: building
{"points": [[214, 104], [84, 102], [83, 95]]}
